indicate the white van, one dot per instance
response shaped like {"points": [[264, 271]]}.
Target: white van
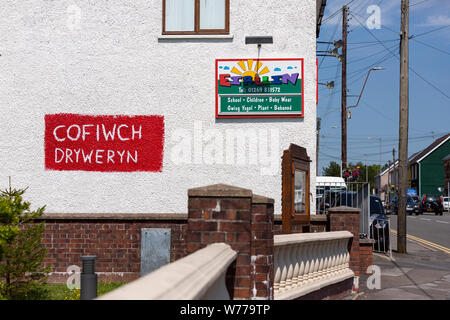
{"points": [[446, 203], [329, 183]]}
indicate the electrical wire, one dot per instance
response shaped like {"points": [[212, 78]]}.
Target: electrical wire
{"points": [[410, 68]]}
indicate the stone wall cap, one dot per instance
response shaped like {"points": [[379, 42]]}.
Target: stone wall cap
{"points": [[297, 238], [344, 210], [188, 278], [113, 216], [366, 241], [261, 199], [319, 217], [220, 190]]}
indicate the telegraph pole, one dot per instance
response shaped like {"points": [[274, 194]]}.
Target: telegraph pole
{"points": [[403, 127], [344, 90]]}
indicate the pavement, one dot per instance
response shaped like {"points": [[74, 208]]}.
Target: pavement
{"points": [[421, 274]]}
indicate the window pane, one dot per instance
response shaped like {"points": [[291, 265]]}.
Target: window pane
{"points": [[299, 191], [180, 15], [212, 14]]}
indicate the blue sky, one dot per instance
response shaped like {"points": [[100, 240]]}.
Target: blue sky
{"points": [[377, 114]]}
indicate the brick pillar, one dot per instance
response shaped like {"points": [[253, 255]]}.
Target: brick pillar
{"points": [[221, 213], [365, 254], [262, 259], [347, 219]]}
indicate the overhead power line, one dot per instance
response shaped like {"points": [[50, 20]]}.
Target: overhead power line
{"points": [[410, 68]]}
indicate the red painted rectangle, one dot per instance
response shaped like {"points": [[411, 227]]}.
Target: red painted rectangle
{"points": [[108, 143]]}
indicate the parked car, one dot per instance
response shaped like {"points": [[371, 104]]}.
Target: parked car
{"points": [[412, 205], [378, 225], [446, 203], [432, 203]]}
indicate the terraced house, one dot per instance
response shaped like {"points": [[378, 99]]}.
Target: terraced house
{"points": [[426, 168]]}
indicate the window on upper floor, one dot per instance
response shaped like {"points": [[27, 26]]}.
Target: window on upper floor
{"points": [[196, 16]]}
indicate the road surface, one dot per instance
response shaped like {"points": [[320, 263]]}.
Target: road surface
{"points": [[429, 227]]}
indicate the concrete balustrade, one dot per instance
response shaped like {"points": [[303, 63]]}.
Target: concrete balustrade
{"points": [[198, 276], [307, 262]]}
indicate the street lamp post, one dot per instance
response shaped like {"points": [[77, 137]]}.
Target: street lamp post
{"points": [[362, 90]]}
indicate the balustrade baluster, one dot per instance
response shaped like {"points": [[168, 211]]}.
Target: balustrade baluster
{"points": [[277, 269], [290, 266], [302, 256], [296, 260], [283, 265]]}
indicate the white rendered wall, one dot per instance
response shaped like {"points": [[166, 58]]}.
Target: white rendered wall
{"points": [[105, 58]]}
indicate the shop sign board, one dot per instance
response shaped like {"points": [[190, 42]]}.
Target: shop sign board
{"points": [[259, 88]]}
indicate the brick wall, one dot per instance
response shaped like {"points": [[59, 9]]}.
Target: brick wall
{"points": [[262, 248], [347, 219], [235, 216], [114, 239], [365, 254], [217, 213]]}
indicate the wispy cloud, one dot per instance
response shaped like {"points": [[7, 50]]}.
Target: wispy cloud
{"points": [[436, 21]]}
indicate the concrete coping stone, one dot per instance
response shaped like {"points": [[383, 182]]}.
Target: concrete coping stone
{"points": [[344, 209], [313, 217], [366, 241], [220, 191], [114, 216], [261, 199], [319, 217], [297, 238], [189, 278]]}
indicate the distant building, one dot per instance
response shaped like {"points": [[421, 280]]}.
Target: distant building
{"points": [[446, 162], [426, 168], [386, 181]]}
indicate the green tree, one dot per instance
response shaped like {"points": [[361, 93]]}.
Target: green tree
{"points": [[333, 170], [372, 172], [21, 253]]}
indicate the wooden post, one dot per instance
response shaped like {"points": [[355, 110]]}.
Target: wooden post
{"points": [[403, 127]]}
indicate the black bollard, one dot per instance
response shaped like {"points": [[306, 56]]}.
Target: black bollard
{"points": [[88, 278]]}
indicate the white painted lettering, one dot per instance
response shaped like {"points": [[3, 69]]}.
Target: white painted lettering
{"points": [[86, 133], [68, 155], [78, 132], [135, 159], [118, 132], [110, 156], [109, 134], [121, 155], [98, 156], [56, 137], [133, 132], [87, 157], [56, 155]]}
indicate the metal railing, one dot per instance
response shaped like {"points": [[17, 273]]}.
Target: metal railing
{"points": [[380, 232], [349, 194]]}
